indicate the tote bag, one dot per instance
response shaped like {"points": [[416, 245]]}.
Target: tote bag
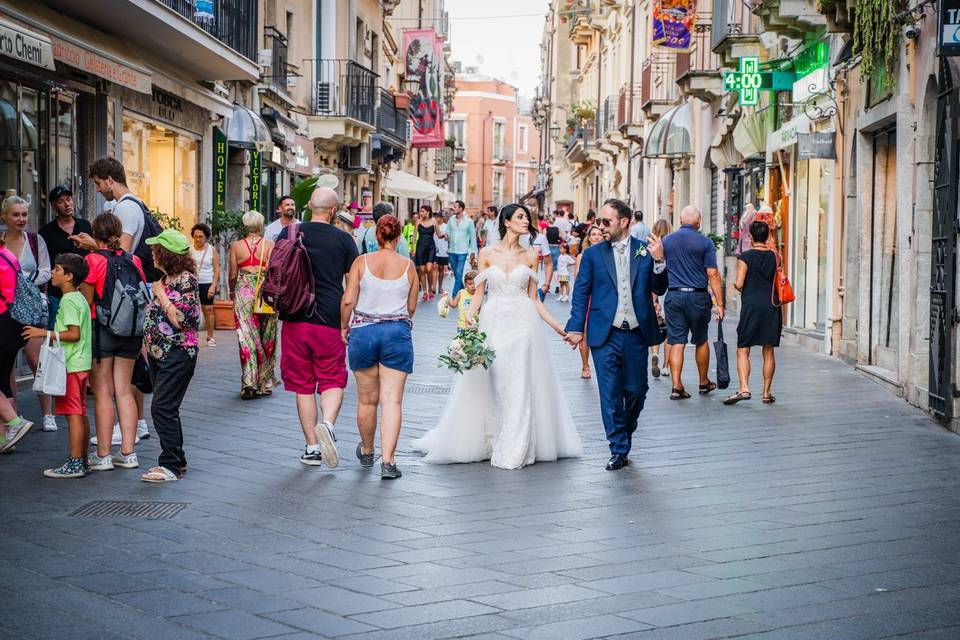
{"points": [[51, 378], [723, 365], [260, 306]]}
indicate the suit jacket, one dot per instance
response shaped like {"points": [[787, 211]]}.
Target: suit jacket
{"points": [[596, 289]]}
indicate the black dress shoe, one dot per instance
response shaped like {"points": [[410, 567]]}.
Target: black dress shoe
{"points": [[617, 461]]}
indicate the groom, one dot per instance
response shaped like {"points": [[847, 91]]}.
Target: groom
{"points": [[615, 281]]}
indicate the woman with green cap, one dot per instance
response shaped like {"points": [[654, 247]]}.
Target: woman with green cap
{"points": [[170, 334]]}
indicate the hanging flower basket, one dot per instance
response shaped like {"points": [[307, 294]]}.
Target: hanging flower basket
{"points": [[402, 100]]}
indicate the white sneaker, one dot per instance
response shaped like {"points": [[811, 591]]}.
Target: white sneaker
{"points": [[115, 439], [328, 444], [126, 461], [49, 423], [96, 463], [15, 432], [142, 432]]}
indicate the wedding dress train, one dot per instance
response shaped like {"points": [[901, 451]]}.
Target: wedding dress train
{"points": [[513, 414]]}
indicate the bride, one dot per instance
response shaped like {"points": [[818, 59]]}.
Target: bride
{"points": [[512, 414]]}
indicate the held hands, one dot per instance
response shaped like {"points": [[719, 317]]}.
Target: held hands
{"points": [[718, 312], [655, 246], [573, 339]]}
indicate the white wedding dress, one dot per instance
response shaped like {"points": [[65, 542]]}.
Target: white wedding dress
{"points": [[514, 413]]}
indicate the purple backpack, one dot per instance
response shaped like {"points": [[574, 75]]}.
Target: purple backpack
{"points": [[289, 286]]}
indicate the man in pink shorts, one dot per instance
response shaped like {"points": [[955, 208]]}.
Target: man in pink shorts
{"points": [[312, 353]]}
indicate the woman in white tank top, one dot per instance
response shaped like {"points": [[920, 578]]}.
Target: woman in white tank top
{"points": [[208, 274], [376, 322]]}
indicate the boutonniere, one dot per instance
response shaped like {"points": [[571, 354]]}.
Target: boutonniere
{"points": [[641, 252]]}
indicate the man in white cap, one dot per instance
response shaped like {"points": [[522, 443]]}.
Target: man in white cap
{"points": [[312, 352]]}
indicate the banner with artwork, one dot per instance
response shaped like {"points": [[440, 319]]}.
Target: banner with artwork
{"points": [[673, 22], [423, 55]]}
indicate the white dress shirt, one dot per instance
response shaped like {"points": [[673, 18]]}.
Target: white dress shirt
{"points": [[621, 258]]}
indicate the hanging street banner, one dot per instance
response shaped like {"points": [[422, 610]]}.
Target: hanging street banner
{"points": [[948, 41], [219, 170], [673, 22], [423, 55]]}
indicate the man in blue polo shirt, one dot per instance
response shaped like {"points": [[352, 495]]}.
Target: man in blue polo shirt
{"points": [[691, 266]]}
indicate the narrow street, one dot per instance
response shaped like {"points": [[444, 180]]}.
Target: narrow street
{"points": [[831, 514]]}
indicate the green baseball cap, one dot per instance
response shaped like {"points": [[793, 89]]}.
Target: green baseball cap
{"points": [[171, 240]]}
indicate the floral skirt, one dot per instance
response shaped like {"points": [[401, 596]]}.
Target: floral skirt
{"points": [[257, 337]]}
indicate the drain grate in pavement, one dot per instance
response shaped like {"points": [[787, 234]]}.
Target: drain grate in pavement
{"points": [[427, 388], [130, 509]]}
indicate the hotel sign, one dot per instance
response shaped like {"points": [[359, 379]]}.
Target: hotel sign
{"points": [[219, 170], [86, 60], [26, 46], [948, 41], [255, 168]]}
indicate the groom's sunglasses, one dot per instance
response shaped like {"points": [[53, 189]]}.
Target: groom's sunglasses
{"points": [[604, 222]]}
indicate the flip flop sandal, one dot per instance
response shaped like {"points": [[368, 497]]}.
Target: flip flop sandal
{"points": [[737, 397], [707, 388], [679, 394], [159, 474], [768, 399]]}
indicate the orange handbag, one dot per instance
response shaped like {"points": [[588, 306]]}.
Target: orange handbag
{"points": [[782, 289]]}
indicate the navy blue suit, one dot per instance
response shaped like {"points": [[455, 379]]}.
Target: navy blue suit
{"points": [[619, 357]]}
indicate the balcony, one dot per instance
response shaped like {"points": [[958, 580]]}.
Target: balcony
{"points": [[658, 84], [698, 71], [460, 154], [578, 14], [217, 45], [343, 102], [391, 136], [279, 67], [735, 32], [580, 142], [839, 14], [630, 117], [609, 139], [789, 18], [389, 6], [443, 163]]}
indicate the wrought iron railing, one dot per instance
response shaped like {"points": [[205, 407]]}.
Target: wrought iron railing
{"points": [[583, 134], [444, 161], [343, 88], [576, 9], [390, 119], [731, 18], [278, 59], [628, 105], [701, 57], [232, 22], [658, 79]]}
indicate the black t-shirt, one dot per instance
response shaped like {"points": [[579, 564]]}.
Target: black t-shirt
{"points": [[332, 252], [58, 241]]}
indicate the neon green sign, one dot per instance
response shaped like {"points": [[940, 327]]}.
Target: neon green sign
{"points": [[749, 81]]}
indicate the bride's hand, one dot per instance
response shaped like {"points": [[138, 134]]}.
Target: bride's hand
{"points": [[471, 322]]}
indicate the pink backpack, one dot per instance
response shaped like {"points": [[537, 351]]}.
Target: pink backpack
{"points": [[289, 286]]}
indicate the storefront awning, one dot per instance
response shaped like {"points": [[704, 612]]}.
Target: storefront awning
{"points": [[25, 45], [671, 135], [750, 134], [406, 185], [247, 130]]}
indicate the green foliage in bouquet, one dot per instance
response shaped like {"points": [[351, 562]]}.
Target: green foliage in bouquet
{"points": [[466, 351]]}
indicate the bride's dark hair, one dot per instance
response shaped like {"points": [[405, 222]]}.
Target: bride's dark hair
{"points": [[507, 213]]}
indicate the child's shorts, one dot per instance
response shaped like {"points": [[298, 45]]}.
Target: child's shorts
{"points": [[74, 402], [564, 278]]}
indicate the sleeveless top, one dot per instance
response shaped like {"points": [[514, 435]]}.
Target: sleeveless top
{"points": [[254, 259], [204, 261], [381, 300]]}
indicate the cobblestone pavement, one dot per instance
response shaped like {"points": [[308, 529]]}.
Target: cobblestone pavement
{"points": [[832, 514]]}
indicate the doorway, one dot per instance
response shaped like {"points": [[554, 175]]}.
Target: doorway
{"points": [[884, 326]]}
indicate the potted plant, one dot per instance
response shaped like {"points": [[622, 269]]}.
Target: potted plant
{"points": [[401, 99], [226, 226], [584, 112], [301, 193]]}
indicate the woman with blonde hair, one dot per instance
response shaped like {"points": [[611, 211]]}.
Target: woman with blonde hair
{"points": [[591, 236], [256, 330], [661, 228], [31, 251], [12, 426]]}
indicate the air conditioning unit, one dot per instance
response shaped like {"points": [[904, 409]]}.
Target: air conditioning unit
{"points": [[409, 130], [357, 158]]}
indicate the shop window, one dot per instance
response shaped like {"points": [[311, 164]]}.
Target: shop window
{"points": [[161, 166]]}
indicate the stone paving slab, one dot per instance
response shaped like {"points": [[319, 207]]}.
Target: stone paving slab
{"points": [[831, 514]]}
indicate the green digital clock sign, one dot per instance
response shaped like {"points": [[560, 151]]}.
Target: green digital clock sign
{"points": [[749, 81]]}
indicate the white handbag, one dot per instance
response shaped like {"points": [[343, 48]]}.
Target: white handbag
{"points": [[51, 378]]}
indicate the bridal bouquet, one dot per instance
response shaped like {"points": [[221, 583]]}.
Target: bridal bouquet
{"points": [[468, 350]]}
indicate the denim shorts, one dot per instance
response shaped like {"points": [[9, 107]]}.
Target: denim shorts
{"points": [[688, 314], [386, 343]]}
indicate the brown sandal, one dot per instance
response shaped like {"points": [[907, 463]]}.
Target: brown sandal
{"points": [[707, 388], [737, 397], [679, 394], [768, 399]]}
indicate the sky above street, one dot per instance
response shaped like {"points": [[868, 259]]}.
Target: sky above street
{"points": [[501, 37]]}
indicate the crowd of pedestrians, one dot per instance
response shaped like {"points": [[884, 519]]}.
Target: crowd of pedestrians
{"points": [[124, 298]]}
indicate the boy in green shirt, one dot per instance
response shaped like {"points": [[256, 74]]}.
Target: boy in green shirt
{"points": [[73, 325]]}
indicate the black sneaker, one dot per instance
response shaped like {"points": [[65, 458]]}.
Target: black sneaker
{"points": [[311, 458], [389, 471], [366, 459]]}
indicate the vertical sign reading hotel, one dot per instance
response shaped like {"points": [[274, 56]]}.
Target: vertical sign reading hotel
{"points": [[254, 180], [219, 170]]}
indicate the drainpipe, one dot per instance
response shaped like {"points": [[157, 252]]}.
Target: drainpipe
{"points": [[629, 114]]}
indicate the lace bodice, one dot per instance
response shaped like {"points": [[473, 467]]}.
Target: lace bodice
{"points": [[501, 283]]}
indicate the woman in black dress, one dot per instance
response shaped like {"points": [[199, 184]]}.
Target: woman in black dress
{"points": [[426, 254], [760, 320]]}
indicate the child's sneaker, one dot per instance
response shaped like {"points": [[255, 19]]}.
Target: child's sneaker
{"points": [[126, 460], [72, 468], [142, 431], [49, 423], [97, 463], [15, 432], [114, 439]]}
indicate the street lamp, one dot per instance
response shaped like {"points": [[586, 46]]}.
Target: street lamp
{"points": [[411, 84], [555, 132]]}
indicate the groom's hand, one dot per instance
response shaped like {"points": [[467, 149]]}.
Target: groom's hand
{"points": [[655, 246], [573, 339]]}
